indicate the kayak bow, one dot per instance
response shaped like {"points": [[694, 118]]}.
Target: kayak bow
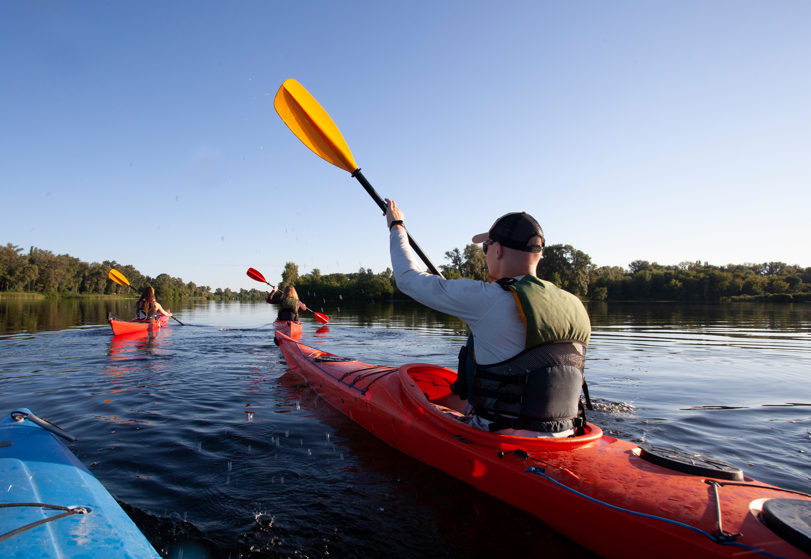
{"points": [[290, 328]]}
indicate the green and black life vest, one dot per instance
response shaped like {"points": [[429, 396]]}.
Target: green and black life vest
{"points": [[538, 389], [289, 309]]}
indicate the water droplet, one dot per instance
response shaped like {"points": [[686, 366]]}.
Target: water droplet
{"points": [[309, 453], [341, 454], [249, 448], [185, 513], [199, 447], [227, 480], [327, 437], [301, 441], [282, 480], [339, 309], [298, 405], [287, 433], [229, 465]]}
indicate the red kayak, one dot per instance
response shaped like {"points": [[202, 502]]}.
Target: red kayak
{"points": [[612, 496], [130, 327], [290, 328]]}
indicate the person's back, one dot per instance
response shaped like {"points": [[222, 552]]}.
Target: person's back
{"points": [[522, 369], [288, 302], [148, 307]]}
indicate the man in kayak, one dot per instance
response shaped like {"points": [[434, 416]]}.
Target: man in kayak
{"points": [[288, 299], [521, 371]]}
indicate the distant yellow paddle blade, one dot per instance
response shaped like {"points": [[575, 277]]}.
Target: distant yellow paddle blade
{"points": [[118, 277], [310, 122]]}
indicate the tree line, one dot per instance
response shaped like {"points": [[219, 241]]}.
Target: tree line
{"points": [[41, 271], [56, 275], [573, 270]]}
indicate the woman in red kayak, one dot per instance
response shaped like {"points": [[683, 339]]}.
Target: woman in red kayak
{"points": [[148, 307], [288, 299]]}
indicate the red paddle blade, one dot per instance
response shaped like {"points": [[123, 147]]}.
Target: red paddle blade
{"points": [[255, 275], [322, 318]]}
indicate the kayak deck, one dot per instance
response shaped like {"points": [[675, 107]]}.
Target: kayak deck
{"points": [[596, 490], [38, 469]]}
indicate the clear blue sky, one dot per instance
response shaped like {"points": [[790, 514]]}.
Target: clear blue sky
{"points": [[145, 132]]}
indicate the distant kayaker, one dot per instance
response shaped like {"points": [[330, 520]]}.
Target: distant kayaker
{"points": [[288, 299], [148, 307], [521, 371]]}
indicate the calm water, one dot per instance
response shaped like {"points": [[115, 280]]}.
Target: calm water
{"points": [[216, 450]]}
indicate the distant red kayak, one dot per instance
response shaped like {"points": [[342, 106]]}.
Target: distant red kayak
{"points": [[290, 328], [129, 327], [614, 497]]}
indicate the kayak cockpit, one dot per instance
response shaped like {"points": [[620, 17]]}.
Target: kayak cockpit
{"points": [[428, 388]]}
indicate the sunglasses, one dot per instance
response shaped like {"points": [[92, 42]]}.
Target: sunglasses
{"points": [[485, 245]]}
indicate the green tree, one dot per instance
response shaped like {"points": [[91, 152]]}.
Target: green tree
{"points": [[566, 267], [475, 266], [456, 263], [600, 294], [289, 274]]}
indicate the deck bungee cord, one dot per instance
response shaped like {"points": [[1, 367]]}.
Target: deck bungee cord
{"points": [[720, 539], [70, 511], [329, 358]]}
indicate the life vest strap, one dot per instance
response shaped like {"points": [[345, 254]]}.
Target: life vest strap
{"points": [[516, 380]]}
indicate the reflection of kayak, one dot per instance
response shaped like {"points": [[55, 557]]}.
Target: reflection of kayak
{"points": [[291, 328], [129, 327], [604, 493], [52, 505]]}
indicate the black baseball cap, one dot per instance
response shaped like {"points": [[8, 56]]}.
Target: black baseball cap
{"points": [[514, 230]]}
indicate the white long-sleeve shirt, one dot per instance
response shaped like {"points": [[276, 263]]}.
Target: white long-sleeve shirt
{"points": [[489, 310]]}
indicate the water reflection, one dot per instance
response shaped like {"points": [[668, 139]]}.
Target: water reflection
{"points": [[38, 315], [137, 345], [164, 416]]}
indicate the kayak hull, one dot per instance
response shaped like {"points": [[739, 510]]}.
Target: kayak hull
{"points": [[290, 328], [133, 326], [36, 468], [594, 489]]}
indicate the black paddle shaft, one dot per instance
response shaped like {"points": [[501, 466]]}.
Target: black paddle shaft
{"points": [[380, 202]]}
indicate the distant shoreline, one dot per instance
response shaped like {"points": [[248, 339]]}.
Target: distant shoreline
{"points": [[65, 296]]}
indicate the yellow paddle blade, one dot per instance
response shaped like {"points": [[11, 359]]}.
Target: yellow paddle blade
{"points": [[118, 277], [310, 122]]}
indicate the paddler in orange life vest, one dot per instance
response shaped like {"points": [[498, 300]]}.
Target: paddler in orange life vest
{"points": [[288, 299], [521, 371], [148, 307]]}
